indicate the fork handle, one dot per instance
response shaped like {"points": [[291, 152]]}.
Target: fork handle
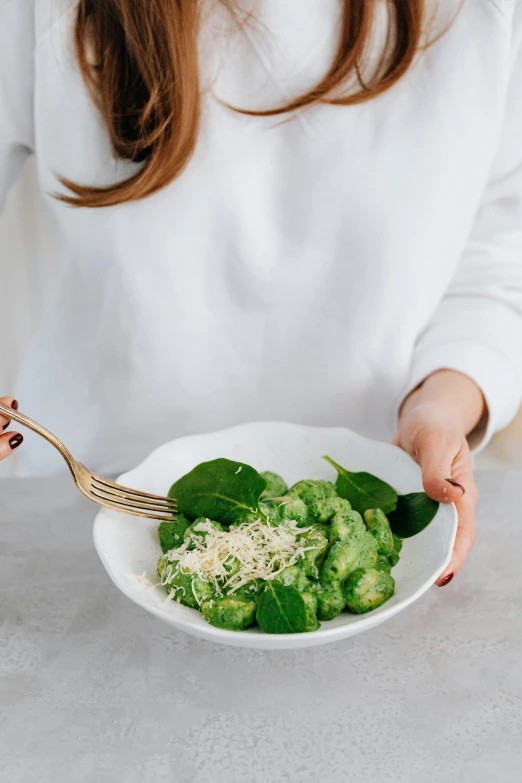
{"points": [[10, 413]]}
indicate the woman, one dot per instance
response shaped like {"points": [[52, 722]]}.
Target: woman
{"points": [[305, 210]]}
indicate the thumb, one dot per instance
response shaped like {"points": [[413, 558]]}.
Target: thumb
{"points": [[438, 454]]}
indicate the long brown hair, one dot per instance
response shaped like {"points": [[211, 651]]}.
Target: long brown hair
{"points": [[139, 59]]}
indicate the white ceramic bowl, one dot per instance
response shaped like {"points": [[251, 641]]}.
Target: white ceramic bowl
{"points": [[128, 546]]}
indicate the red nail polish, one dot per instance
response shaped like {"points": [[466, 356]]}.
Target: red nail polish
{"points": [[15, 441], [447, 579], [14, 406], [456, 484]]}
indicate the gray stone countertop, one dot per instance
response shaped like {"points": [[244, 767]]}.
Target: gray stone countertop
{"points": [[95, 690]]}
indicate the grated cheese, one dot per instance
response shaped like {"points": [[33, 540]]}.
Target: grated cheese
{"points": [[204, 527], [173, 594], [143, 579], [260, 551]]}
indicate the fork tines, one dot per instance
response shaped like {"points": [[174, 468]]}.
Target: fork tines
{"points": [[132, 500]]}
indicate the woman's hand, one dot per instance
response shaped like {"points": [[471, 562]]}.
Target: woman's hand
{"points": [[433, 424], [9, 441]]}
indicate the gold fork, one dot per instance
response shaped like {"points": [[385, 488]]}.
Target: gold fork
{"points": [[99, 490]]}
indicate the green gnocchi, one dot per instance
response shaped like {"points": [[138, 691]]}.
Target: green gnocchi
{"points": [[284, 558]]}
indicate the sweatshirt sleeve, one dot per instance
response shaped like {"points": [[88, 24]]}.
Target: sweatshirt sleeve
{"points": [[477, 328], [16, 89]]}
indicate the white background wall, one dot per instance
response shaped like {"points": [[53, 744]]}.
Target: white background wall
{"points": [[31, 261]]}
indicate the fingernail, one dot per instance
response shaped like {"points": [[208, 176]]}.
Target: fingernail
{"points": [[14, 406], [15, 441], [456, 484], [447, 579]]}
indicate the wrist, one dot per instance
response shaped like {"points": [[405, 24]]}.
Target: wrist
{"points": [[449, 395]]}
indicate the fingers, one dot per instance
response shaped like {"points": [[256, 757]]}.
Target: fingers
{"points": [[447, 476], [9, 441], [446, 465], [464, 540], [11, 403], [441, 458]]}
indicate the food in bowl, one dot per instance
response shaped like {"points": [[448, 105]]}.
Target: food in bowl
{"points": [[245, 548]]}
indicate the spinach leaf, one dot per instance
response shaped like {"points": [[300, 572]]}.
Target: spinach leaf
{"points": [[281, 609], [363, 490], [414, 512], [220, 489]]}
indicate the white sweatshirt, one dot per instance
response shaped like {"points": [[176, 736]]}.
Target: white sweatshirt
{"points": [[312, 270]]}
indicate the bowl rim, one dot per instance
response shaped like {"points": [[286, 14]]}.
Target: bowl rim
{"points": [[364, 622]]}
